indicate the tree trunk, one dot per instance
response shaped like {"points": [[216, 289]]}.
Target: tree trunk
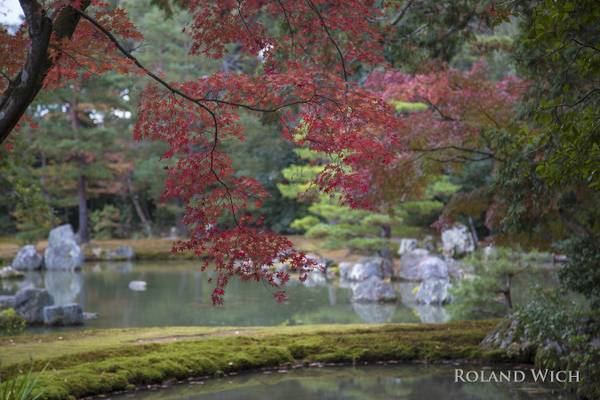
{"points": [[507, 292], [385, 233], [24, 87], [84, 231], [473, 232], [138, 208]]}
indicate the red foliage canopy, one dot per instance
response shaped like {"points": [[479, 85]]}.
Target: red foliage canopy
{"points": [[311, 51]]}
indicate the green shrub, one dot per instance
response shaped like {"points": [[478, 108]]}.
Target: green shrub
{"points": [[489, 291], [106, 222], [582, 271], [11, 322]]}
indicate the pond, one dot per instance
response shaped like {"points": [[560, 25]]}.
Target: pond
{"points": [[346, 383], [178, 294]]}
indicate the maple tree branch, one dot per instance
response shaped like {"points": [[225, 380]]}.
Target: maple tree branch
{"points": [[22, 89], [326, 29], [458, 148], [402, 12], [173, 90], [439, 111]]}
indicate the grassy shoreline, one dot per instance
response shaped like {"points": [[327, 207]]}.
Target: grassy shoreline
{"points": [[160, 249], [93, 362]]}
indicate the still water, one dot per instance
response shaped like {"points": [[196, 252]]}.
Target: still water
{"points": [[365, 383], [178, 294]]}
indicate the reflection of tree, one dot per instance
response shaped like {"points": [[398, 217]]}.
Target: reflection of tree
{"points": [[365, 383]]}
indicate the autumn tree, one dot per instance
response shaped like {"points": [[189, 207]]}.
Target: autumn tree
{"points": [[309, 53]]}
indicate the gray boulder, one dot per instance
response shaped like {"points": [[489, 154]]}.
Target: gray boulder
{"points": [[30, 303], [315, 278], [373, 290], [7, 302], [63, 252], [138, 286], [63, 315], [27, 258], [60, 233], [434, 292], [457, 241], [345, 267], [418, 266], [121, 253], [407, 245], [368, 267]]}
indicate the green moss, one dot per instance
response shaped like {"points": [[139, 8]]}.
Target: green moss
{"points": [[102, 369]]}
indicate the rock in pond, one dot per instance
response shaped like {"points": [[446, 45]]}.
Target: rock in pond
{"points": [[138, 286], [373, 290], [10, 273], [407, 245], [30, 303], [457, 241], [63, 252], [315, 278], [366, 268], [418, 265], [27, 258], [90, 315], [121, 253], [434, 292], [63, 315]]}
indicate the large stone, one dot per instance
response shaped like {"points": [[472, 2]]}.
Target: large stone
{"points": [[315, 278], [7, 302], [138, 286], [434, 292], [63, 315], [418, 266], [368, 267], [457, 241], [30, 303], [27, 258], [373, 290], [60, 233], [121, 253], [345, 267], [63, 252], [407, 245]]}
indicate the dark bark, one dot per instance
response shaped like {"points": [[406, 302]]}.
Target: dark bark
{"points": [[138, 208], [507, 292], [385, 233], [473, 232], [84, 231], [25, 86]]}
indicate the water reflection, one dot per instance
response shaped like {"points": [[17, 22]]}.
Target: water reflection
{"points": [[177, 293], [63, 286], [370, 383]]}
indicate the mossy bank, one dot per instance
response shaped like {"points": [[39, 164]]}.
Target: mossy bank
{"points": [[85, 363]]}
